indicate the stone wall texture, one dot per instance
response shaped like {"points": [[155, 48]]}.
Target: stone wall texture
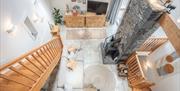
{"points": [[139, 22]]}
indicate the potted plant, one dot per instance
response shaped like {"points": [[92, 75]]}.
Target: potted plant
{"points": [[58, 17]]}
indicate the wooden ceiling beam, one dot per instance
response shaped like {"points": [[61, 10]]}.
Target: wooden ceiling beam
{"points": [[172, 31]]}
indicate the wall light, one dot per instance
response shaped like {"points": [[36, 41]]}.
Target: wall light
{"points": [[178, 20], [37, 19], [10, 28]]}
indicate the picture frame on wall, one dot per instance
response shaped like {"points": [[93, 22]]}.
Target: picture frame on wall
{"points": [[84, 1], [79, 1], [73, 0]]}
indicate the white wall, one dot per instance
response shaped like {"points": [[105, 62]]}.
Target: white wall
{"points": [[159, 33], [175, 14], [61, 4], [19, 41], [169, 82], [162, 51]]}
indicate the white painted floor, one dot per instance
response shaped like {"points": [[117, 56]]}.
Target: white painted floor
{"points": [[90, 73]]}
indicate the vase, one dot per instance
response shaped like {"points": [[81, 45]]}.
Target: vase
{"points": [[74, 13]]}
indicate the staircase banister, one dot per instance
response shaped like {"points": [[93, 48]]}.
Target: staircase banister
{"points": [[23, 55]]}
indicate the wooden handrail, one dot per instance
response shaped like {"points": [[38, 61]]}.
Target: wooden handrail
{"points": [[152, 43], [140, 68], [134, 70], [23, 55], [30, 71]]}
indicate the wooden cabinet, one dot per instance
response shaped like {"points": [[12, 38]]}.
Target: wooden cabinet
{"points": [[95, 21], [74, 21], [87, 20]]}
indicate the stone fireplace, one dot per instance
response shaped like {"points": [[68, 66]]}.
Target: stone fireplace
{"points": [[139, 22]]}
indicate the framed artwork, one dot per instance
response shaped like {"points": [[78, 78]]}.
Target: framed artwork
{"points": [[84, 1], [73, 0], [79, 1]]}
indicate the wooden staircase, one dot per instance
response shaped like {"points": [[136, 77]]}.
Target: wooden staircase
{"points": [[30, 71]]}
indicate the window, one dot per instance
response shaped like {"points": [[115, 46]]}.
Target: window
{"points": [[32, 31]]}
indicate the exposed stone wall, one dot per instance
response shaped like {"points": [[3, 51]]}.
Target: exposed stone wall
{"points": [[139, 22]]}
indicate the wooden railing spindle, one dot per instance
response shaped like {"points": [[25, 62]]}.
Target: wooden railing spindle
{"points": [[49, 52], [21, 63], [50, 48], [39, 61], [13, 80], [25, 75], [44, 53], [152, 43], [42, 58], [53, 49], [34, 64]]}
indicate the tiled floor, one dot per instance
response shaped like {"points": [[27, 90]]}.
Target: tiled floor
{"points": [[85, 34], [89, 70]]}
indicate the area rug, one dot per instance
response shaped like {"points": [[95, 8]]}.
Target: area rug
{"points": [[85, 34]]}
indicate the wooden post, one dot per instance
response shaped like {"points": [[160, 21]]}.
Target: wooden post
{"points": [[171, 30]]}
